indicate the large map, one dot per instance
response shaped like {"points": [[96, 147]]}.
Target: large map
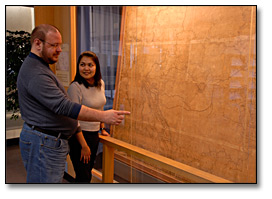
{"points": [[188, 76]]}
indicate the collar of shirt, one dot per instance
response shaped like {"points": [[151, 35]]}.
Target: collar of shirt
{"points": [[32, 55]]}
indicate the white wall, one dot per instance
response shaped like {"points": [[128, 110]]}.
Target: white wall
{"points": [[19, 18]]}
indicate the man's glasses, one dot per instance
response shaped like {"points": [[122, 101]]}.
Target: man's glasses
{"points": [[53, 45]]}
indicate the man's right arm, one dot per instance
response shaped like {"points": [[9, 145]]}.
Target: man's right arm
{"points": [[59, 103], [110, 116]]}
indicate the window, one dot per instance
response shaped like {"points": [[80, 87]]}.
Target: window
{"points": [[98, 30]]}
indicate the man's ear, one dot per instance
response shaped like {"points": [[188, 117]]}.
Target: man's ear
{"points": [[37, 44]]}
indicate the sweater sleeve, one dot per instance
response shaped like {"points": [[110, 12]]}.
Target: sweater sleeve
{"points": [[75, 95], [47, 92], [103, 88]]}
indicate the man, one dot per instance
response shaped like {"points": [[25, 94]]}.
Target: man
{"points": [[50, 116]]}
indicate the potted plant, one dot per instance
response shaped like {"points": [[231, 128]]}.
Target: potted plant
{"points": [[17, 48]]}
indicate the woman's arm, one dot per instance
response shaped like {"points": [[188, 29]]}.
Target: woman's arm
{"points": [[85, 149], [103, 130]]}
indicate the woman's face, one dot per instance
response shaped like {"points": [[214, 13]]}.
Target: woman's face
{"points": [[87, 69]]}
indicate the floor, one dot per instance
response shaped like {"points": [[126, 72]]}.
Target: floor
{"points": [[16, 174], [15, 171]]}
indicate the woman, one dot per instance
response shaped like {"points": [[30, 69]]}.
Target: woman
{"points": [[87, 89]]}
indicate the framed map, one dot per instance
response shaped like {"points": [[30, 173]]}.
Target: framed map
{"points": [[188, 76]]}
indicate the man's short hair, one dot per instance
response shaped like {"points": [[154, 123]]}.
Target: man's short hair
{"points": [[41, 31]]}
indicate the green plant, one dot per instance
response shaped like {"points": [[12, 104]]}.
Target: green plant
{"points": [[17, 48]]}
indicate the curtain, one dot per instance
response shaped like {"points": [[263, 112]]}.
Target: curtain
{"points": [[98, 30]]}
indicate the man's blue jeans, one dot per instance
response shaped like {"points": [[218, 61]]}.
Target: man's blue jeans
{"points": [[44, 156]]}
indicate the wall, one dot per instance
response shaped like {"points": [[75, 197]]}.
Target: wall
{"points": [[60, 16], [188, 76], [19, 18], [55, 15]]}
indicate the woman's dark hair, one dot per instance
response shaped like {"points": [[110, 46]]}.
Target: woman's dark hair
{"points": [[97, 76]]}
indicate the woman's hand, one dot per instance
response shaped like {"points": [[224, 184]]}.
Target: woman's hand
{"points": [[85, 154], [105, 133]]}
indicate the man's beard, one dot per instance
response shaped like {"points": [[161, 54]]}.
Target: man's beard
{"points": [[46, 58]]}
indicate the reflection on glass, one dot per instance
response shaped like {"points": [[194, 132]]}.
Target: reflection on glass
{"points": [[188, 76]]}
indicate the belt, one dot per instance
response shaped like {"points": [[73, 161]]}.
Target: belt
{"points": [[49, 132]]}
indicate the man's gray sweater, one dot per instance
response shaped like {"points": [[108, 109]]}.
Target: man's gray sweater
{"points": [[43, 100]]}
